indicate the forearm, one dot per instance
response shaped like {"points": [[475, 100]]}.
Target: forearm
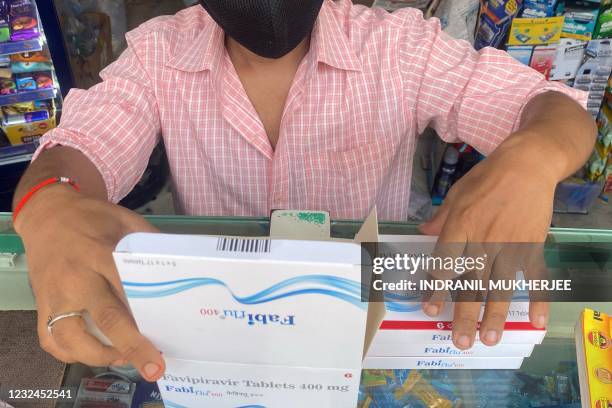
{"points": [[555, 129], [59, 161]]}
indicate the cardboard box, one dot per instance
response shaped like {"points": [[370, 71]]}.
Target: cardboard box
{"points": [[580, 18], [254, 321], [535, 31], [429, 350], [442, 363], [415, 327]]}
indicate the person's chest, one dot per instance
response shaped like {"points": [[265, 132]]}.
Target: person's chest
{"points": [[328, 139]]}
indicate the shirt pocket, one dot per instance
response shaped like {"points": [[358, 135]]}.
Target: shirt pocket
{"points": [[348, 182]]}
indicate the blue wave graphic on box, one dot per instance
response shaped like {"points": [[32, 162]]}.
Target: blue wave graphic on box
{"points": [[341, 288], [344, 289]]}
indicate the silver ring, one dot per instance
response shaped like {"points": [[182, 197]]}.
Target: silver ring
{"points": [[56, 318]]}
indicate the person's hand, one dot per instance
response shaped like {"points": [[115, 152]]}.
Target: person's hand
{"points": [[507, 198], [69, 240]]}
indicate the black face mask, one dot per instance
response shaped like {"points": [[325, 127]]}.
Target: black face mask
{"points": [[269, 28]]}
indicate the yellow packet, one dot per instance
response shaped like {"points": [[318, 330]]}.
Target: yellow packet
{"points": [[594, 356]]}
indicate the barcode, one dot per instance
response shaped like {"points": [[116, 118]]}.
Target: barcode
{"points": [[243, 245]]}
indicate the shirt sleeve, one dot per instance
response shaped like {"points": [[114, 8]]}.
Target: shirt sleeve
{"points": [[473, 96], [115, 124]]}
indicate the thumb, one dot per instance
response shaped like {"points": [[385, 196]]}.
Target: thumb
{"points": [[133, 222], [435, 224]]}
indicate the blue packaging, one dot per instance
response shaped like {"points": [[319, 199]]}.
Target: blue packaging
{"points": [[494, 23], [539, 8], [146, 394]]}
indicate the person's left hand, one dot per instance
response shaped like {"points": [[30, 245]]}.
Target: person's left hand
{"points": [[507, 198]]}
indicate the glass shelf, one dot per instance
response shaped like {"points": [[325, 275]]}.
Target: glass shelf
{"points": [[552, 363]]}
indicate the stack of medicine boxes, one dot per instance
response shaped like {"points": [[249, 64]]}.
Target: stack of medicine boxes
{"points": [[410, 339]]}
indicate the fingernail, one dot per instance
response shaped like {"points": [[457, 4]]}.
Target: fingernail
{"points": [[463, 341], [491, 336], [541, 321], [432, 310], [151, 369]]}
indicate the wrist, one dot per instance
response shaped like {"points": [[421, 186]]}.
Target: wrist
{"points": [[44, 205], [530, 151]]}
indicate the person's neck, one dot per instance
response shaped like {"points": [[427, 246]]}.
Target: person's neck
{"points": [[243, 58]]}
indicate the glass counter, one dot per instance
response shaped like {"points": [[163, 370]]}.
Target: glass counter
{"points": [[547, 378]]}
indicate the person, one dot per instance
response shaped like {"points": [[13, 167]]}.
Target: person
{"points": [[300, 104]]}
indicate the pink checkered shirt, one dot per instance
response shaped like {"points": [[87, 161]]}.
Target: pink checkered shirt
{"points": [[371, 82]]}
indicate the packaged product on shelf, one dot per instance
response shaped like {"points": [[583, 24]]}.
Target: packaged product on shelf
{"points": [[26, 112], [543, 59], [7, 86], [20, 124], [98, 392], [147, 396], [20, 67], [23, 20], [28, 67], [576, 195], [604, 124], [580, 18], [539, 8], [535, 31], [43, 79], [521, 53], [6, 73], [570, 53], [604, 22], [407, 388], [34, 80], [593, 74], [608, 185], [5, 32], [34, 56], [25, 82], [494, 22], [596, 165], [594, 356]]}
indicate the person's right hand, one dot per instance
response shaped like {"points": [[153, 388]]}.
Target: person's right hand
{"points": [[69, 240]]}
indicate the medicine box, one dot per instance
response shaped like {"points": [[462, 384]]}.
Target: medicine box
{"points": [[254, 321], [443, 363], [448, 350], [414, 326]]}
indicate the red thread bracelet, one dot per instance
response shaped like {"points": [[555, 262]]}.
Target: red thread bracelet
{"points": [[37, 188]]}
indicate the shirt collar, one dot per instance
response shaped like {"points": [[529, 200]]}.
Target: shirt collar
{"points": [[204, 51], [329, 44]]}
